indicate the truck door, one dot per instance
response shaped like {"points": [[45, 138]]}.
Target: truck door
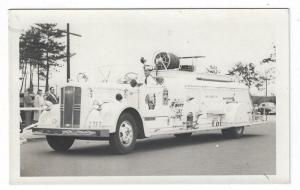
{"points": [[153, 106]]}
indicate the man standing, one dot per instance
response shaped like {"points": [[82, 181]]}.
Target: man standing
{"points": [[149, 79], [38, 103], [52, 97], [28, 102]]}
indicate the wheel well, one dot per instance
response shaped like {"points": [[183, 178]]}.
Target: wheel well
{"points": [[138, 119]]}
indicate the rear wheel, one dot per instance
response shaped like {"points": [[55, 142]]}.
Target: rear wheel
{"points": [[59, 143], [124, 139], [183, 135], [233, 132]]}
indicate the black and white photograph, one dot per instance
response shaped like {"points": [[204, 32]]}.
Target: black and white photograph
{"points": [[170, 93]]}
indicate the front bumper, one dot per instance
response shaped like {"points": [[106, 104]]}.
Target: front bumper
{"points": [[71, 132]]}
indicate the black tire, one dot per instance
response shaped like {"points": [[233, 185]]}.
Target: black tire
{"points": [[115, 140], [233, 132], [60, 143], [183, 135]]}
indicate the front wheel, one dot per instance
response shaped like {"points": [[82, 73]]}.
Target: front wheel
{"points": [[124, 139], [233, 132], [59, 143]]}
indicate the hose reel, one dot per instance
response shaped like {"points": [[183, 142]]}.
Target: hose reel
{"points": [[164, 60]]}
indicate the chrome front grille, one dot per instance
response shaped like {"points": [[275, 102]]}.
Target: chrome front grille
{"points": [[70, 107]]}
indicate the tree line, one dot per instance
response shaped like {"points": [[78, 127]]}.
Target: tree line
{"points": [[248, 74]]}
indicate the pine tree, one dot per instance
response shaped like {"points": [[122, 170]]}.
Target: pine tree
{"points": [[52, 48], [30, 52]]}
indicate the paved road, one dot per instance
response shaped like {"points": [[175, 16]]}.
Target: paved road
{"points": [[205, 153]]}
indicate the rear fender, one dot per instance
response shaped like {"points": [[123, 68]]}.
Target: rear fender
{"points": [[237, 113]]}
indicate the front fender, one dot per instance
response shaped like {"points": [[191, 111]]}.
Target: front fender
{"points": [[50, 118], [108, 115]]}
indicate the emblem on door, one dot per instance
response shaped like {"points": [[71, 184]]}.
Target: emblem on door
{"points": [[150, 101]]}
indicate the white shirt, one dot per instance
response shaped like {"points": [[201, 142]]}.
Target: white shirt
{"points": [[150, 80], [38, 101]]}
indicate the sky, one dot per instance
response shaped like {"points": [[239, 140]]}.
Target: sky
{"points": [[224, 36]]}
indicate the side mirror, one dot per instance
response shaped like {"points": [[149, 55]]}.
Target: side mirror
{"points": [[133, 83], [82, 76]]}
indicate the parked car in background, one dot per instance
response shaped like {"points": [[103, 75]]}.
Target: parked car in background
{"points": [[267, 108]]}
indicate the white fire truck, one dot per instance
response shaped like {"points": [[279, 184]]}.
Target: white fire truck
{"points": [[168, 98]]}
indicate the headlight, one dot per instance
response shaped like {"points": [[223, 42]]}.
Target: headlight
{"points": [[97, 105], [47, 106]]}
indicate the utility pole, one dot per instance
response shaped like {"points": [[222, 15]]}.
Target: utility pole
{"points": [[266, 87], [68, 48], [68, 52], [266, 80]]}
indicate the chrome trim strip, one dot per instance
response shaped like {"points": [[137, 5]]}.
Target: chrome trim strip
{"points": [[73, 107]]}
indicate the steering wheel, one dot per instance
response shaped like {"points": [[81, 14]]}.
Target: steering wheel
{"points": [[130, 76]]}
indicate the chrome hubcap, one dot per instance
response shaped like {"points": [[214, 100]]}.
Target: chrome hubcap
{"points": [[126, 133]]}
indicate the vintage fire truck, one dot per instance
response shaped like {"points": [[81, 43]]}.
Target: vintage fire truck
{"points": [[168, 98]]}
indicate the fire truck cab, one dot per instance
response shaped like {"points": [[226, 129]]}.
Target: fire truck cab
{"points": [[168, 98]]}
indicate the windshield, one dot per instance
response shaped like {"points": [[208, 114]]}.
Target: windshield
{"points": [[117, 73]]}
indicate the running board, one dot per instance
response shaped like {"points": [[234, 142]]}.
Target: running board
{"points": [[207, 127]]}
